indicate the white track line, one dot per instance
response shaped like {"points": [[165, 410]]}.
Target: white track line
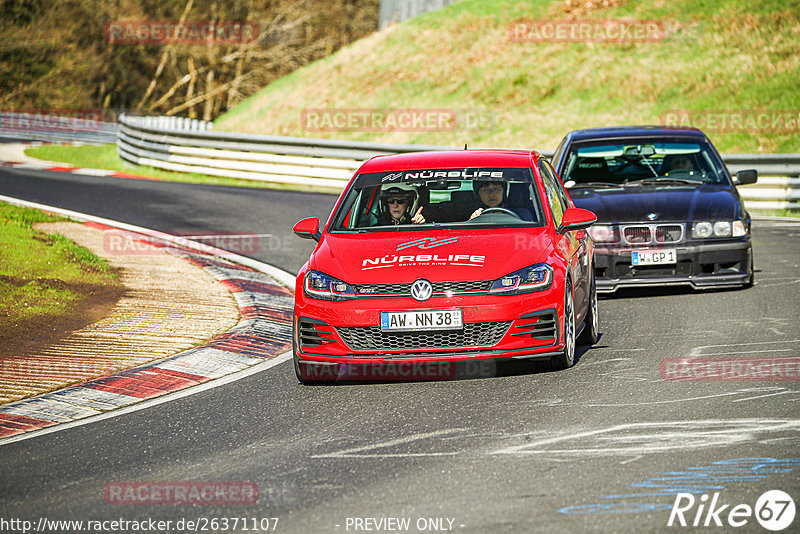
{"points": [[227, 379]]}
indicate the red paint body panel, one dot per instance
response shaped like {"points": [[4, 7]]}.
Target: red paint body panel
{"points": [[403, 255]]}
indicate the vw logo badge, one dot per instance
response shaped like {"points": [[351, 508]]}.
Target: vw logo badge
{"points": [[652, 216], [421, 290]]}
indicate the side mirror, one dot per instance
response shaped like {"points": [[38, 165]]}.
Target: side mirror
{"points": [[749, 176], [308, 228], [576, 219]]}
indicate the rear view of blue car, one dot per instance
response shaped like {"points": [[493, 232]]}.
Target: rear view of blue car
{"points": [[668, 209]]}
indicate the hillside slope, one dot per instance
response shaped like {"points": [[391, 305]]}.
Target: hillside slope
{"points": [[735, 58], [70, 57]]}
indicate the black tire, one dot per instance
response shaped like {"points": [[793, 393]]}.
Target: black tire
{"points": [[296, 359], [590, 333], [298, 374], [566, 358]]}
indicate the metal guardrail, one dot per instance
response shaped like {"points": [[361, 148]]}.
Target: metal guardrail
{"points": [[186, 145], [321, 163]]}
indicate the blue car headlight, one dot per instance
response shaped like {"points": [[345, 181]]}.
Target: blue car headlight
{"points": [[534, 278], [711, 229], [318, 285], [604, 233]]}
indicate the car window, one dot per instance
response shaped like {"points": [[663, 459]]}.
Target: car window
{"points": [[562, 194], [626, 162], [555, 194], [448, 198]]}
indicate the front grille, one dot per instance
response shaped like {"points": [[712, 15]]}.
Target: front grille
{"points": [[455, 287], [637, 234], [669, 233], [404, 290], [473, 335], [653, 233]]}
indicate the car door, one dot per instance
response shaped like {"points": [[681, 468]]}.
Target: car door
{"points": [[573, 244]]}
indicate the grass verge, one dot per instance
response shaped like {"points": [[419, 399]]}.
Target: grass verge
{"points": [[719, 59], [43, 278], [775, 213], [105, 157]]}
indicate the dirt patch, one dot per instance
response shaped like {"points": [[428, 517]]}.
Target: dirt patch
{"points": [[164, 306], [30, 336]]}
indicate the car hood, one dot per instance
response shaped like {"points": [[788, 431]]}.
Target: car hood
{"points": [[398, 257], [669, 204]]}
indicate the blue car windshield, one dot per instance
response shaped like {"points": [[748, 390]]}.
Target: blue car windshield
{"points": [[439, 199], [667, 164]]}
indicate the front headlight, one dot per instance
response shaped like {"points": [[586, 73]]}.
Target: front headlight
{"points": [[534, 278], [722, 229], [604, 233], [707, 229], [321, 286], [702, 229]]}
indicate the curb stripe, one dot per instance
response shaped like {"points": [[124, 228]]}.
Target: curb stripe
{"points": [[263, 333], [86, 171]]}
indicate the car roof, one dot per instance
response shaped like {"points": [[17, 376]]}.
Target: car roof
{"points": [[451, 159], [614, 132]]}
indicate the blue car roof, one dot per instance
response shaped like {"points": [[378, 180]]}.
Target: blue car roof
{"points": [[635, 131]]}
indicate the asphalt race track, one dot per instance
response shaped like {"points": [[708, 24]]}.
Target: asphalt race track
{"points": [[602, 447]]}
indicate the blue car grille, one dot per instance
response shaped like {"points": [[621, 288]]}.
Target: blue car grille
{"points": [[645, 234]]}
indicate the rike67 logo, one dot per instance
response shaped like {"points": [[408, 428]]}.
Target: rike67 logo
{"points": [[774, 510]]}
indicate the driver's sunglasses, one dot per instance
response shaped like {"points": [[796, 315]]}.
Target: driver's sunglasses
{"points": [[396, 201]]}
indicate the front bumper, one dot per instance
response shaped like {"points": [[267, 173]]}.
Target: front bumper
{"points": [[714, 265], [343, 340]]}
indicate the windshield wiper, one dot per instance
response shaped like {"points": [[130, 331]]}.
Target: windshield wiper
{"points": [[594, 184], [663, 180]]}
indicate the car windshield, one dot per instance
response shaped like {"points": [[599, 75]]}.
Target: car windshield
{"points": [[600, 165], [445, 198]]}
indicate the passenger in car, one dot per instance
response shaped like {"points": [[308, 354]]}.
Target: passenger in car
{"points": [[397, 203], [493, 195], [677, 162]]}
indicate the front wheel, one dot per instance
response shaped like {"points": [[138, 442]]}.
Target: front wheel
{"points": [[302, 377], [590, 333], [566, 358]]}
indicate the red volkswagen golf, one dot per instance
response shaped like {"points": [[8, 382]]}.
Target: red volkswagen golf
{"points": [[435, 258]]}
